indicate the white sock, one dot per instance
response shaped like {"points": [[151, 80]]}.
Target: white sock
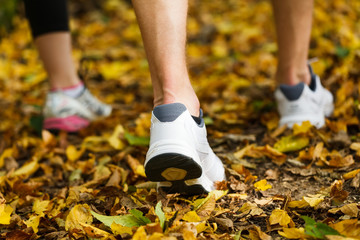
{"points": [[73, 91]]}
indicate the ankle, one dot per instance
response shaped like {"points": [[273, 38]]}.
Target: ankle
{"points": [[64, 81], [188, 98], [291, 76]]}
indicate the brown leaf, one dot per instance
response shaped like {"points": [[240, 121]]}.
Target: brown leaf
{"points": [[337, 194], [18, 235]]}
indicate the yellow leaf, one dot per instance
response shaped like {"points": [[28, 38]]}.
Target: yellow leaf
{"points": [[78, 214], [275, 155], [251, 209], [298, 204], [188, 235], [262, 185], [350, 209], [201, 227], [293, 233], [160, 236], [94, 232], [140, 234], [140, 170], [48, 138], [351, 174], [206, 208], [118, 229], [114, 139], [73, 154], [135, 165], [28, 168], [356, 146], [191, 217], [5, 212], [314, 200], [279, 216], [7, 153], [33, 222], [337, 237], [348, 228], [40, 206], [291, 143], [303, 128]]}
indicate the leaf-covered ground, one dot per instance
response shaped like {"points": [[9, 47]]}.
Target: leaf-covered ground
{"points": [[281, 183]]}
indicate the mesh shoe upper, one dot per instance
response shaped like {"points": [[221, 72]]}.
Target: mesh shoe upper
{"points": [[62, 112], [304, 103], [179, 152]]}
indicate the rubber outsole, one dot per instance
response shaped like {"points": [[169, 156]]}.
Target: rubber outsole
{"points": [[184, 189], [172, 167], [70, 124]]}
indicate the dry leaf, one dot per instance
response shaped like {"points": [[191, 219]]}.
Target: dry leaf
{"points": [[279, 216]]}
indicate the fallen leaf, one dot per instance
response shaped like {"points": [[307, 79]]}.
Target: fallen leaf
{"points": [[304, 128], [348, 228], [191, 216], [5, 213], [78, 214], [317, 229], [293, 233], [114, 139], [314, 200], [33, 222], [262, 185], [351, 174], [291, 143], [279, 216], [73, 154]]}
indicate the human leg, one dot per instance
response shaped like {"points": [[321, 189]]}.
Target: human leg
{"points": [[69, 105], [163, 27], [293, 21], [300, 96], [50, 29], [179, 156]]}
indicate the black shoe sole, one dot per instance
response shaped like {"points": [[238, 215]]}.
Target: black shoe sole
{"points": [[183, 189], [172, 167]]}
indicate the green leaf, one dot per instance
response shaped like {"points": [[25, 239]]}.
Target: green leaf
{"points": [[341, 51], [75, 175], [139, 215], [128, 220], [36, 122], [208, 121], [137, 141], [161, 215], [291, 143], [317, 229]]}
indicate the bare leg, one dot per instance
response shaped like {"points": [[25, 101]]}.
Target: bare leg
{"points": [[163, 27], [293, 26], [55, 52]]}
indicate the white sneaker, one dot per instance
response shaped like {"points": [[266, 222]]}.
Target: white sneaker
{"points": [[179, 156], [301, 102], [62, 112]]}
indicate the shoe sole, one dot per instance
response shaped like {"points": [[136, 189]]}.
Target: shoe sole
{"points": [[69, 124], [183, 188], [172, 167], [177, 173]]}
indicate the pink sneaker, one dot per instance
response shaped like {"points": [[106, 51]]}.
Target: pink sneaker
{"points": [[62, 112]]}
